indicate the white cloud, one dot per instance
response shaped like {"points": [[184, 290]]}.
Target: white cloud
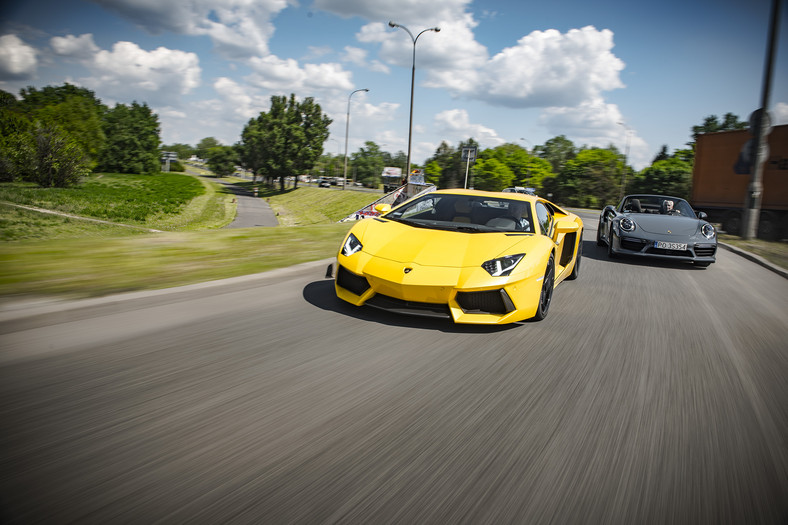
{"points": [[238, 28], [545, 68], [402, 11], [355, 55], [780, 114], [158, 77], [80, 47], [18, 61], [358, 57], [286, 76], [238, 100], [595, 123], [455, 125]]}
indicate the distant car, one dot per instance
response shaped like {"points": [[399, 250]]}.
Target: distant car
{"points": [[323, 183], [469, 256], [520, 189], [657, 226]]}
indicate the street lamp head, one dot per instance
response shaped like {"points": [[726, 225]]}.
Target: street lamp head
{"points": [[392, 24], [436, 29]]}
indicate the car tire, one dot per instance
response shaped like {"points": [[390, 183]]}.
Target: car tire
{"points": [[546, 294], [576, 270], [599, 241]]}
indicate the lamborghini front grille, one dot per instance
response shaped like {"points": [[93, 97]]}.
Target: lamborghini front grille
{"points": [[490, 301], [351, 282], [391, 304]]}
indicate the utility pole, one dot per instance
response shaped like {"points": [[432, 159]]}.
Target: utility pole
{"points": [[760, 125]]}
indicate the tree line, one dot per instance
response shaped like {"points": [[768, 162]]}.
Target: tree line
{"points": [[56, 135]]}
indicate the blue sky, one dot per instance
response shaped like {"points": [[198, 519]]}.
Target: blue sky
{"points": [[626, 73]]}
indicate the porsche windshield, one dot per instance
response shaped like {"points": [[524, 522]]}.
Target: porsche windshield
{"points": [[657, 204], [465, 213]]}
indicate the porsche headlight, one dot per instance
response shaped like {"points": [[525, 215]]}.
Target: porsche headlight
{"points": [[351, 246], [502, 266], [707, 230], [626, 224]]}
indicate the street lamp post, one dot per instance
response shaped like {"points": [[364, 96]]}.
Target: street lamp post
{"points": [[347, 128], [412, 81]]}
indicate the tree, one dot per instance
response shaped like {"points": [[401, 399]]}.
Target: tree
{"points": [[74, 110], [432, 173], [671, 176], [449, 160], [33, 99], [368, 164], [16, 139], [662, 155], [557, 151], [591, 179], [204, 145], [286, 141], [81, 120], [712, 124], [132, 140], [528, 170], [491, 175], [222, 160], [184, 151], [57, 161], [7, 100]]}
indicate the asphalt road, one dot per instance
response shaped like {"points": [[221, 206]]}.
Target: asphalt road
{"points": [[652, 393]]}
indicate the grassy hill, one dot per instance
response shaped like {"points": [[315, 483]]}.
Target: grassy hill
{"points": [[45, 254]]}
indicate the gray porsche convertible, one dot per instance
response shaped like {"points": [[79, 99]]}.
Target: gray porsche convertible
{"points": [[657, 226]]}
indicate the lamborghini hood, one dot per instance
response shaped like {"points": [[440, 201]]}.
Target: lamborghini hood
{"points": [[406, 244]]}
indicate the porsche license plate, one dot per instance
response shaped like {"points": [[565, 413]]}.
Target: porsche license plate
{"points": [[670, 245]]}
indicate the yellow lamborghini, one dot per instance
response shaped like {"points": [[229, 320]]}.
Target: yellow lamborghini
{"points": [[471, 256]]}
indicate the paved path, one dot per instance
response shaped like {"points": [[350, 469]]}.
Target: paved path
{"points": [[252, 211]]}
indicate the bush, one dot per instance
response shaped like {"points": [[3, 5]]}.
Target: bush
{"points": [[57, 161]]}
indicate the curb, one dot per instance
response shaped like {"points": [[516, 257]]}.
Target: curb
{"points": [[757, 259]]}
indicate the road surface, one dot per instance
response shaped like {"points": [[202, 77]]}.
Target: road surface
{"points": [[652, 393]]}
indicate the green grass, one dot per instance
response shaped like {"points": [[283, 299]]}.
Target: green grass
{"points": [[135, 199], [774, 252], [309, 205], [51, 255], [85, 268]]}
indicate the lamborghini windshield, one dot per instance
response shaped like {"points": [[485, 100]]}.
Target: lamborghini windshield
{"points": [[465, 213]]}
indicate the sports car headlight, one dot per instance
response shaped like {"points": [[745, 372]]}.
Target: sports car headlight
{"points": [[503, 265], [707, 230], [626, 224], [351, 246]]}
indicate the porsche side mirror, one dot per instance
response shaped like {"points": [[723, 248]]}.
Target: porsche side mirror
{"points": [[609, 211], [702, 215], [382, 208]]}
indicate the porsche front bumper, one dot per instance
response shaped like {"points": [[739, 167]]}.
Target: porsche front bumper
{"points": [[701, 252]]}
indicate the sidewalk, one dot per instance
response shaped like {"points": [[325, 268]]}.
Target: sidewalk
{"points": [[757, 259], [251, 211]]}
